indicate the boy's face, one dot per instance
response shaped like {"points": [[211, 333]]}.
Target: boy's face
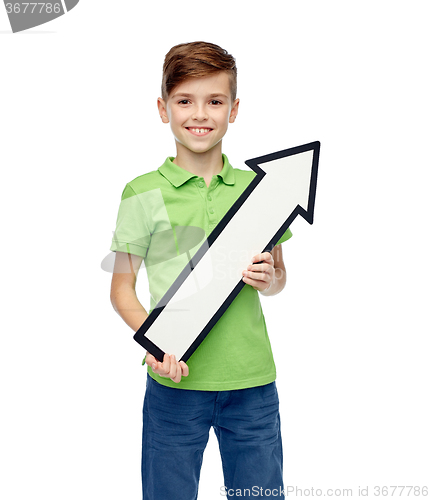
{"points": [[199, 111]]}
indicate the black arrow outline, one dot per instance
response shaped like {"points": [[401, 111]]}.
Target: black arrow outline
{"points": [[308, 215]]}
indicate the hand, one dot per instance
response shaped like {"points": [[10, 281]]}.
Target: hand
{"points": [[169, 368], [262, 275]]}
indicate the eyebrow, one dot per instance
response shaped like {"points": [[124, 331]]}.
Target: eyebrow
{"points": [[184, 94]]}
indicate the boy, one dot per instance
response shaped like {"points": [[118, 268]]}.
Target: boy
{"points": [[228, 382]]}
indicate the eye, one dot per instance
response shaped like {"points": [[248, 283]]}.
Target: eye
{"points": [[184, 101], [216, 102]]}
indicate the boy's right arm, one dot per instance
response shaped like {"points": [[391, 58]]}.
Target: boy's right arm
{"points": [[126, 304], [123, 290]]}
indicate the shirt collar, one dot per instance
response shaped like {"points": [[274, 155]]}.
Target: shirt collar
{"points": [[178, 176], [227, 172]]}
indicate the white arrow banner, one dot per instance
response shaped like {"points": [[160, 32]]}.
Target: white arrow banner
{"points": [[283, 188]]}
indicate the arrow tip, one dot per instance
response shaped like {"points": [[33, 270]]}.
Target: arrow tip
{"points": [[297, 168]]}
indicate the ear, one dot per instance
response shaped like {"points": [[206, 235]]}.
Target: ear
{"points": [[162, 109], [234, 111]]}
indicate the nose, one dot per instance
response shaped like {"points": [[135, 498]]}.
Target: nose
{"points": [[200, 114]]}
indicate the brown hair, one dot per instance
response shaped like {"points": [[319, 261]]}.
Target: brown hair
{"points": [[196, 60]]}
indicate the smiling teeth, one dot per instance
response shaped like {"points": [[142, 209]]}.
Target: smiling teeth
{"points": [[200, 130]]}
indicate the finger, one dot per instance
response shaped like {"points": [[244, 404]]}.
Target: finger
{"points": [[153, 362], [177, 377], [265, 257], [258, 285], [268, 258], [184, 368], [259, 267], [257, 258], [162, 368], [258, 276], [173, 367], [149, 359]]}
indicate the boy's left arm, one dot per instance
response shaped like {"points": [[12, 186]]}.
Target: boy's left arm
{"points": [[269, 275]]}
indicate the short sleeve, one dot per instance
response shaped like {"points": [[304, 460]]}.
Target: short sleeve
{"points": [[286, 236], [132, 234]]}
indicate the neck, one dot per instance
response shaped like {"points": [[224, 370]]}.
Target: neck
{"points": [[204, 165]]}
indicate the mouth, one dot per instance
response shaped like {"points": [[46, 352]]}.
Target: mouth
{"points": [[199, 131]]}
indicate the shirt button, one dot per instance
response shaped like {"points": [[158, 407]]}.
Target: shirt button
{"points": [[211, 211], [210, 198], [201, 184]]}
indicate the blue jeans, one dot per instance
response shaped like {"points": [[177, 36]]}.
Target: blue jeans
{"points": [[176, 425]]}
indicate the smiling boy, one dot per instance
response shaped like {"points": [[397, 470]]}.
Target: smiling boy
{"points": [[229, 381]]}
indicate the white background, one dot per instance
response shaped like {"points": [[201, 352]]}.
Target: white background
{"points": [[350, 333]]}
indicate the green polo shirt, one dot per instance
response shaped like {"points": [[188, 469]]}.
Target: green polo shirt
{"points": [[155, 208]]}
